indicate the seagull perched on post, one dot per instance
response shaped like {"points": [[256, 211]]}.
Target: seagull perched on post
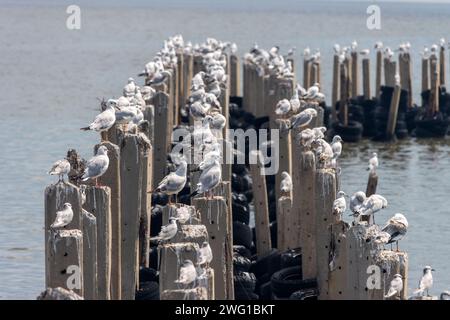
{"points": [[396, 228], [97, 165], [373, 163], [63, 217], [205, 254], [60, 168], [372, 204], [188, 274], [283, 107], [426, 282], [174, 182], [168, 231], [104, 121], [210, 178], [336, 145], [303, 118], [286, 182], [357, 200], [396, 287], [339, 204]]}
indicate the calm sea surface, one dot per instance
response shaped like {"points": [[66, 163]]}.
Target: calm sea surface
{"points": [[51, 77]]}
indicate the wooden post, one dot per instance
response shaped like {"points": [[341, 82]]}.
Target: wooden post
{"points": [[98, 201], [306, 73], [379, 68], [198, 64], [404, 61], [305, 207], [133, 149], [149, 116], [314, 73], [245, 80], [425, 77], [343, 104], [89, 255], [188, 68], [390, 68], [434, 80], [146, 204], [355, 74], [338, 270], [64, 260], [180, 86], [235, 76], [325, 195], [263, 241], [366, 78], [335, 93], [214, 216], [442, 67], [372, 184], [393, 111], [112, 179], [55, 197], [284, 212], [162, 143]]}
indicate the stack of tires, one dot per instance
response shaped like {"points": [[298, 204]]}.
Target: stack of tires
{"points": [[381, 114], [148, 285], [354, 130], [436, 126]]}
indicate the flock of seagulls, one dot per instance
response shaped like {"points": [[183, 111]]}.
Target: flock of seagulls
{"points": [[271, 62]]}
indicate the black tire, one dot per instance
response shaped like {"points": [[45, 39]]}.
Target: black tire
{"points": [[243, 251], [288, 280], [356, 113], [427, 128], [350, 133], [240, 213], [247, 296], [239, 198], [240, 263], [386, 96], [148, 291], [291, 258], [153, 256], [159, 198], [242, 234], [267, 264], [244, 283], [148, 275], [305, 294], [265, 291]]}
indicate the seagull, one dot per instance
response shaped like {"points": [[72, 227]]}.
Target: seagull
{"points": [[286, 182], [336, 145], [445, 295], [188, 274], [125, 115], [396, 227], [97, 165], [378, 45], [198, 110], [205, 255], [167, 232], [373, 163], [60, 168], [295, 102], [63, 217], [340, 205], [337, 48], [306, 137], [426, 282], [130, 88], [372, 204], [183, 214], [209, 179], [104, 121], [218, 121], [396, 286], [312, 91], [283, 107], [301, 90], [303, 118], [357, 200], [364, 52], [174, 182], [159, 78], [323, 150]]}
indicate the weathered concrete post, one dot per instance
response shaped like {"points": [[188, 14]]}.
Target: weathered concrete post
{"points": [[263, 241], [378, 76], [366, 78], [235, 76], [64, 260], [393, 111], [98, 201], [90, 283], [355, 74], [335, 93], [111, 179]]}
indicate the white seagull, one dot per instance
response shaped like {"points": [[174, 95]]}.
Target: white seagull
{"points": [[104, 121], [167, 232], [63, 217], [283, 107], [174, 182], [373, 163], [336, 145], [339, 204], [303, 118], [396, 228], [426, 282], [373, 204], [286, 182], [357, 200], [205, 255], [396, 287], [209, 179], [188, 274], [97, 165], [60, 168]]}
